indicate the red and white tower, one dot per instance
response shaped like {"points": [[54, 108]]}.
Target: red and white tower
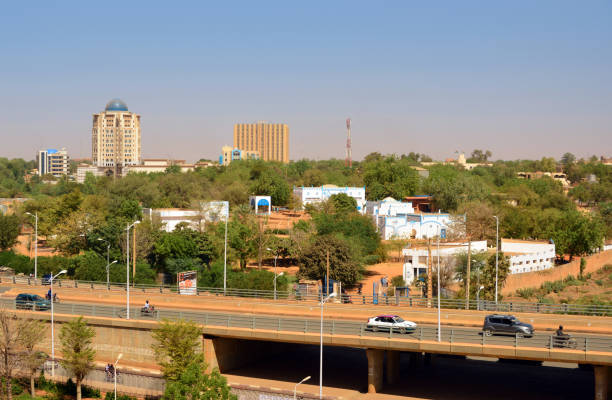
{"points": [[349, 155]]}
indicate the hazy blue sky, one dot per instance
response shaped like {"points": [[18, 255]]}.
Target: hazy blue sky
{"points": [[523, 79]]}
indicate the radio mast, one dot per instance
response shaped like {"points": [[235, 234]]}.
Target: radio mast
{"points": [[349, 159]]}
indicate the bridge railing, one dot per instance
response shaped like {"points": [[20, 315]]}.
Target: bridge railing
{"points": [[301, 296], [332, 327]]}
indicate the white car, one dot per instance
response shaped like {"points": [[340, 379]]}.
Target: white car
{"points": [[388, 322]]}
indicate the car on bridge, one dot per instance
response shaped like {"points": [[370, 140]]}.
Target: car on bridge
{"points": [[497, 324], [390, 322], [26, 301]]}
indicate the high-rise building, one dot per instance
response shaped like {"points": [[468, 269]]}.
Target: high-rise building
{"points": [[115, 137], [270, 140], [54, 162]]}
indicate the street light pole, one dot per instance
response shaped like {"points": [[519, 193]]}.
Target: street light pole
{"points": [[225, 256], [323, 301], [115, 372], [276, 276], [108, 273], [52, 318], [35, 215], [438, 255], [127, 266], [478, 297], [296, 385], [496, 253]]}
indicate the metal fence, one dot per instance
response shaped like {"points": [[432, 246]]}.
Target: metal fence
{"points": [[301, 296], [330, 327]]}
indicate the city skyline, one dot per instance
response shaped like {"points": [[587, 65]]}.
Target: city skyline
{"points": [[522, 80]]}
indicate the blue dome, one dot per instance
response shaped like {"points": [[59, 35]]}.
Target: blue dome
{"points": [[116, 105]]}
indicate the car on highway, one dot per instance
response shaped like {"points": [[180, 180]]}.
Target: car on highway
{"points": [[498, 324], [26, 301], [390, 322]]}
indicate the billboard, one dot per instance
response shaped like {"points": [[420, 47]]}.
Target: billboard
{"points": [[187, 282]]}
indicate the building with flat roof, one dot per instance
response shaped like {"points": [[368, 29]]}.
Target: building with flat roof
{"points": [[54, 162], [314, 195], [229, 154], [528, 255], [115, 137], [196, 219], [271, 141]]}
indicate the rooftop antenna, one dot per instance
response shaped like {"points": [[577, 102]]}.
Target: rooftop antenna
{"points": [[349, 160]]}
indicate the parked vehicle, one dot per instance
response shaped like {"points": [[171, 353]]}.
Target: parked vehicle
{"points": [[497, 324], [26, 301], [390, 322]]}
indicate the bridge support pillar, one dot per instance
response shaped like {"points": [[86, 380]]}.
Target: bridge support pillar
{"points": [[393, 366], [375, 369], [603, 386]]}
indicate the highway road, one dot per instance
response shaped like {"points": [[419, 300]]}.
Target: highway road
{"points": [[453, 334]]}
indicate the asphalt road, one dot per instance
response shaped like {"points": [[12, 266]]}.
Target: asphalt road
{"points": [[311, 325]]}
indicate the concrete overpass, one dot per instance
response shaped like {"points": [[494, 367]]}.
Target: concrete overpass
{"points": [[233, 339]]}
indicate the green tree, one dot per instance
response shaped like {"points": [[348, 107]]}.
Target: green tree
{"points": [[487, 276], [270, 183], [343, 203], [194, 384], [342, 265], [176, 345], [76, 342], [9, 231]]}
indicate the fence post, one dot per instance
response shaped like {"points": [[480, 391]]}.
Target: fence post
{"points": [[586, 344], [551, 343], [516, 338], [451, 336], [253, 323], [333, 327], [206, 320], [279, 325], [29, 283], [364, 299], [14, 281], [76, 284], [305, 326], [91, 285], [396, 298], [483, 339], [361, 330], [421, 334], [229, 318], [161, 288]]}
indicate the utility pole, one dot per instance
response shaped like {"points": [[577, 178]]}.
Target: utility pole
{"points": [[134, 261], [429, 273], [469, 262], [327, 283]]}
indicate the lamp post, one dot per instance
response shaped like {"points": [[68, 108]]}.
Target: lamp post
{"points": [[276, 276], [115, 372], [478, 297], [297, 384], [35, 215], [127, 266], [438, 255], [225, 255], [275, 258], [496, 254], [52, 331], [108, 273], [321, 346]]}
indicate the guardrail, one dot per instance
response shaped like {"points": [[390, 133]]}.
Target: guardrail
{"points": [[301, 295], [330, 327]]}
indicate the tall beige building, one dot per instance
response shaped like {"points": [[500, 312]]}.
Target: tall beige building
{"points": [[270, 140], [115, 137]]}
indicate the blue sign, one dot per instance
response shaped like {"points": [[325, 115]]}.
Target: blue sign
{"points": [[443, 233]]}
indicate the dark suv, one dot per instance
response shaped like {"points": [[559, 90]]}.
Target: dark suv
{"points": [[25, 301], [506, 325]]}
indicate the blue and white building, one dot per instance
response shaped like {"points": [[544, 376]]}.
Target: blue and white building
{"points": [[396, 219], [54, 162], [314, 195]]}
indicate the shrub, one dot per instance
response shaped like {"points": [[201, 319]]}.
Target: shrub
{"points": [[526, 293], [111, 396], [599, 282], [398, 281]]}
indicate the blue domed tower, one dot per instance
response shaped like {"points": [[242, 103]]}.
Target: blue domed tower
{"points": [[115, 138]]}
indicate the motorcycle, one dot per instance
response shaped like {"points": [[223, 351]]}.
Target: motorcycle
{"points": [[564, 342]]}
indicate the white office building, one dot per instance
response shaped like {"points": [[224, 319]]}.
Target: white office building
{"points": [[528, 255], [196, 219], [314, 195], [396, 219], [54, 162]]}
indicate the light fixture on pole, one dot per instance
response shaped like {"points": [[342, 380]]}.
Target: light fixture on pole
{"points": [[478, 297], [225, 255], [275, 257], [438, 255], [127, 267], [297, 384], [276, 276], [52, 331], [35, 215], [115, 372], [108, 274], [321, 346], [496, 254]]}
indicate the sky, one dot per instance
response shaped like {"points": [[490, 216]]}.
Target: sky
{"points": [[523, 79]]}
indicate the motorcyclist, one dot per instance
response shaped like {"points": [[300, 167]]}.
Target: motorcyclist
{"points": [[49, 294], [561, 334], [147, 306]]}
